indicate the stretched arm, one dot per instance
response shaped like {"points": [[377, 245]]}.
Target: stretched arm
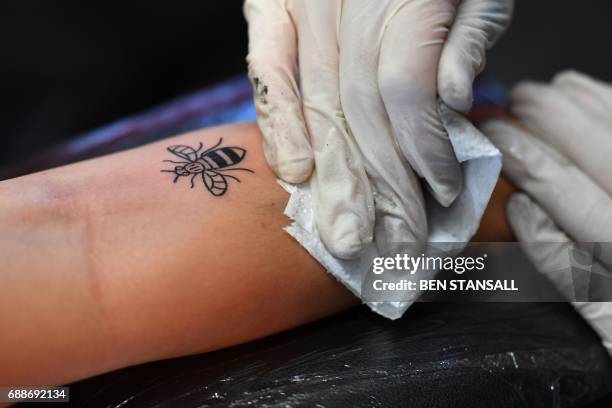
{"points": [[109, 263]]}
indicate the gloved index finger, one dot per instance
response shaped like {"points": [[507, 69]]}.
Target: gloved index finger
{"points": [[578, 134], [588, 93], [272, 63], [573, 200]]}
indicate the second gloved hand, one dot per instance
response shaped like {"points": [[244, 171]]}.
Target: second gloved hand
{"points": [[365, 113], [562, 162]]}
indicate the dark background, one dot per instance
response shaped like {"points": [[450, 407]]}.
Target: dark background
{"points": [[69, 66]]}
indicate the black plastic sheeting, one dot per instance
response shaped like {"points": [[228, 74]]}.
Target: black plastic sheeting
{"points": [[438, 355]]}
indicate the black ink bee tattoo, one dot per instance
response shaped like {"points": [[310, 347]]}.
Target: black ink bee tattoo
{"points": [[212, 165]]}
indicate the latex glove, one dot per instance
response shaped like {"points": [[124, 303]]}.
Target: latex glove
{"points": [[563, 163], [365, 112]]}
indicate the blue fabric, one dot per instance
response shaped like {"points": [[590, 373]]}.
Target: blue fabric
{"points": [[487, 92], [228, 102]]}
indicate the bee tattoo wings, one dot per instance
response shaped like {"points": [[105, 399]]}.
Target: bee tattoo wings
{"points": [[211, 165]]}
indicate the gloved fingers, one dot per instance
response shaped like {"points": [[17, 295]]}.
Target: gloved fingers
{"points": [[343, 202], [590, 94], [546, 246], [272, 62], [478, 25], [575, 132], [551, 252], [573, 200], [407, 78], [399, 203]]}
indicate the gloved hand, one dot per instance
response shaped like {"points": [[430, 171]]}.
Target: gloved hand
{"points": [[562, 161], [365, 113]]}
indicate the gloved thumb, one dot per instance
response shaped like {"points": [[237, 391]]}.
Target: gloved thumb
{"points": [[478, 25], [272, 62]]}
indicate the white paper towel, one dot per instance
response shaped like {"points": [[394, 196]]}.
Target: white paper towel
{"points": [[451, 228]]}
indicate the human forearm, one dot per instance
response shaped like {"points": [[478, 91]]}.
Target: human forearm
{"points": [[117, 265]]}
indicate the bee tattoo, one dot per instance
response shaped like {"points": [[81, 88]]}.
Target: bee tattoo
{"points": [[211, 165]]}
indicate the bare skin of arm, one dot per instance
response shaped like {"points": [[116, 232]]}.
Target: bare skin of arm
{"points": [[107, 263]]}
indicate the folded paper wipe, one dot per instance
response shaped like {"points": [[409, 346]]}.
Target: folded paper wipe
{"points": [[450, 227]]}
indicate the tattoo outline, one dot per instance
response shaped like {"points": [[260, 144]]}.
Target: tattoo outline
{"points": [[212, 165]]}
